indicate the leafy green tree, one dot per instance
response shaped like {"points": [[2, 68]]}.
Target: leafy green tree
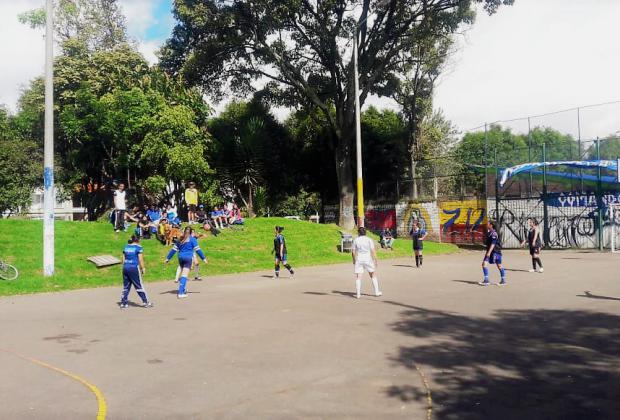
{"points": [[97, 24], [301, 50], [21, 166]]}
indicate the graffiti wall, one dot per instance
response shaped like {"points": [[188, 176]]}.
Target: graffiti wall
{"points": [[572, 219], [427, 213], [463, 221]]}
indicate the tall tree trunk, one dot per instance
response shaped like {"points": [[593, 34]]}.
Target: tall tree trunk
{"points": [[345, 185], [250, 202], [414, 186]]}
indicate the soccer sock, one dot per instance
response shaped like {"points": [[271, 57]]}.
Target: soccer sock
{"points": [[358, 287], [182, 283], [197, 270], [289, 268], [534, 263], [417, 260], [502, 272], [539, 262], [375, 284], [485, 272], [277, 270], [177, 275], [421, 259]]}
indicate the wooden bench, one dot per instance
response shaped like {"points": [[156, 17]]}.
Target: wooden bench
{"points": [[104, 260]]}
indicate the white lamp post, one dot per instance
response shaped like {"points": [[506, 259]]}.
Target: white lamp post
{"points": [[48, 155]]}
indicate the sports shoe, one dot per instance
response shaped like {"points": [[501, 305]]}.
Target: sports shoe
{"points": [[502, 283], [541, 270], [182, 295], [358, 296], [176, 280], [147, 305], [531, 270], [123, 306], [484, 283], [379, 294]]}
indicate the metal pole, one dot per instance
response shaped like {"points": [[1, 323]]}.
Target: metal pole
{"points": [[497, 217], [48, 155], [529, 150], [599, 197], [544, 197], [486, 180], [358, 137], [579, 144]]}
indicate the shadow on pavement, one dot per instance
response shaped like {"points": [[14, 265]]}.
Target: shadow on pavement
{"points": [[175, 291], [403, 265], [472, 282], [587, 294], [518, 364]]}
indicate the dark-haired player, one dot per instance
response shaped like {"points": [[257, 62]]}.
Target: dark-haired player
{"points": [[279, 248], [492, 255], [535, 243], [133, 267], [418, 235]]}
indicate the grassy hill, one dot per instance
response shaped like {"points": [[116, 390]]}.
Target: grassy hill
{"points": [[231, 252]]}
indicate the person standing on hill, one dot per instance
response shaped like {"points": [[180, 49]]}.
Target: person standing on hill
{"points": [[279, 248], [120, 207], [191, 199], [133, 269], [364, 258]]}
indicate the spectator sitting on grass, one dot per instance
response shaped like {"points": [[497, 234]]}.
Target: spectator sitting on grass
{"points": [[387, 240], [144, 228], [201, 214], [236, 216], [161, 231], [154, 214], [216, 216]]}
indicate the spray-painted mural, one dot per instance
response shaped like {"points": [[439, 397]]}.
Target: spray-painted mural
{"points": [[426, 213], [378, 218], [463, 221]]}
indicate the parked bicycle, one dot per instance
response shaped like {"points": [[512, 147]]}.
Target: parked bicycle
{"points": [[7, 271]]}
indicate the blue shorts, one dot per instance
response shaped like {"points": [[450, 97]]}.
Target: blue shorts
{"points": [[186, 262], [281, 257], [495, 258]]}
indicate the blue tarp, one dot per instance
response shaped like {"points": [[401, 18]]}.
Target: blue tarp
{"points": [[508, 173]]}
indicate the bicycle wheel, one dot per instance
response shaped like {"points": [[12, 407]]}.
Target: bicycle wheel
{"points": [[8, 272]]}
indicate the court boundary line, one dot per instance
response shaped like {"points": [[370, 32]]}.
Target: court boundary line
{"points": [[101, 403]]}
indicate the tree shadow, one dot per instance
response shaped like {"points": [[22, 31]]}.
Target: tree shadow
{"points": [[518, 364], [517, 269], [587, 294]]}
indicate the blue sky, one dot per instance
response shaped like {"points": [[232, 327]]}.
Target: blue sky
{"points": [[165, 21]]}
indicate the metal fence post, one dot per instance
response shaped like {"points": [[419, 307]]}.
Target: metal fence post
{"points": [[599, 197], [486, 163], [497, 217], [546, 237]]}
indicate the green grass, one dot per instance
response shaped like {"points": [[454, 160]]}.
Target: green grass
{"points": [[233, 251]]}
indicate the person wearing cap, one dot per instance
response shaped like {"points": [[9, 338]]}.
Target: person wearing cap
{"points": [[364, 259], [191, 199]]}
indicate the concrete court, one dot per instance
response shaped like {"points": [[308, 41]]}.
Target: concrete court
{"points": [[547, 346]]}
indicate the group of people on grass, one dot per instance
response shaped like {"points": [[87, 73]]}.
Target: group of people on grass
{"points": [[155, 220]]}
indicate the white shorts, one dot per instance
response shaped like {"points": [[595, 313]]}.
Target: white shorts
{"points": [[360, 266]]}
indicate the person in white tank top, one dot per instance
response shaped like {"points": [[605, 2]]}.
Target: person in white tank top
{"points": [[364, 258]]}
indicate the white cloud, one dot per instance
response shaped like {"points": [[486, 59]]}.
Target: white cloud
{"points": [[537, 57], [140, 15], [22, 51], [148, 50]]}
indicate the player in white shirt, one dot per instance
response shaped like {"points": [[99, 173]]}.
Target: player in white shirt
{"points": [[120, 207], [364, 258]]}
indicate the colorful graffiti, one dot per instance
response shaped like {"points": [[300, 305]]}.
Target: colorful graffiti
{"points": [[462, 221], [380, 218], [424, 212]]}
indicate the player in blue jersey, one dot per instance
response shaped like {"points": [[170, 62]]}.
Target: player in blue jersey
{"points": [[493, 255], [186, 246], [418, 235], [279, 248], [133, 267]]}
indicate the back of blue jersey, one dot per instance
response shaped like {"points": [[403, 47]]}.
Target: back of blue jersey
{"points": [[187, 248], [131, 253]]}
